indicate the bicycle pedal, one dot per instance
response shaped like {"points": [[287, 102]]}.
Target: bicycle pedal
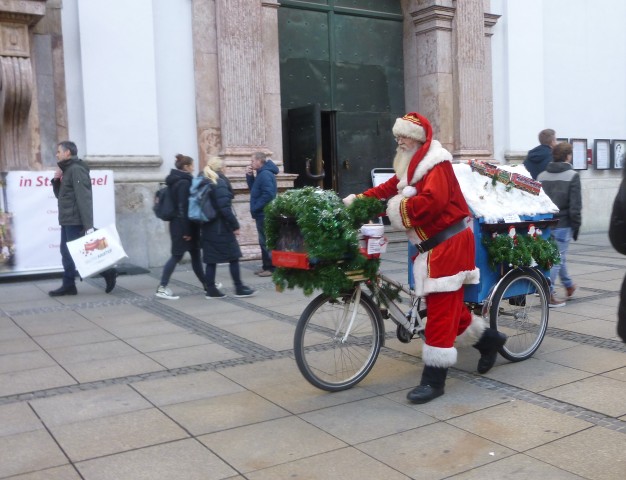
{"points": [[403, 334]]}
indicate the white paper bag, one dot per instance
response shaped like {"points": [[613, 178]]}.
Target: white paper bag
{"points": [[97, 251]]}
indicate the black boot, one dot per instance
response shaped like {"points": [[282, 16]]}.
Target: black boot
{"points": [[64, 290], [110, 277], [490, 342], [431, 385]]}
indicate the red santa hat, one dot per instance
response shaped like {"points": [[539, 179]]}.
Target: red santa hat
{"points": [[413, 125], [410, 126]]}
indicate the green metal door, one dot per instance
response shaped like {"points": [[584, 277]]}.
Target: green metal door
{"points": [[345, 56]]}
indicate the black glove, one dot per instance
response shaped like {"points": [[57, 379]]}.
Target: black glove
{"points": [[575, 234]]}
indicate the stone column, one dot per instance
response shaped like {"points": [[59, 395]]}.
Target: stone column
{"points": [[432, 20], [17, 85], [204, 29], [240, 69], [453, 62], [271, 79], [472, 83]]}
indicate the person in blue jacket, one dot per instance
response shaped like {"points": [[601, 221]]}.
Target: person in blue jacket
{"points": [[538, 158], [263, 189]]}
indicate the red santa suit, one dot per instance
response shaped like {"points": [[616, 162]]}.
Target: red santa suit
{"points": [[427, 200]]}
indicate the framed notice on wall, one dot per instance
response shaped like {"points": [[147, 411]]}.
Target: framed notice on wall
{"points": [[579, 157], [618, 151], [602, 154]]}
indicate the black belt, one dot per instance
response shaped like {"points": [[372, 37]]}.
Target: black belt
{"points": [[442, 236]]}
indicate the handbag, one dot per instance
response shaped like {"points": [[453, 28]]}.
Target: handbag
{"points": [[97, 251]]}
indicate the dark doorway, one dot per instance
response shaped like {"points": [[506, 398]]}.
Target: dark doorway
{"points": [[341, 71]]}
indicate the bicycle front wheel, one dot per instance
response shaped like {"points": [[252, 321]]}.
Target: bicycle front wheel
{"points": [[338, 340], [519, 308]]}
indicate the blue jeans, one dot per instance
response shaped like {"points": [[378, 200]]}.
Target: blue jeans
{"points": [[562, 236], [266, 256]]}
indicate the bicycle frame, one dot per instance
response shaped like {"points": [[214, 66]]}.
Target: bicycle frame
{"points": [[411, 321]]}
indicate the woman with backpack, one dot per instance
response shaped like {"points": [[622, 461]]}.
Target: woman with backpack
{"points": [[219, 236], [185, 235]]}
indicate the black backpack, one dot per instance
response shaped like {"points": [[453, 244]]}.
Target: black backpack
{"points": [[164, 207]]}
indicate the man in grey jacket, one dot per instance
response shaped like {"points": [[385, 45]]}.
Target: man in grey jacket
{"points": [[562, 184], [72, 188]]}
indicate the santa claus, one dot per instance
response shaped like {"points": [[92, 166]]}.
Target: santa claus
{"points": [[425, 200]]}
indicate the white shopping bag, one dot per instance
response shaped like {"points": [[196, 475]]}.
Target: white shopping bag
{"points": [[97, 251]]}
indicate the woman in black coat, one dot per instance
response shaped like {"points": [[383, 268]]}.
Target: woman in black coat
{"points": [[185, 235], [617, 235], [219, 236]]}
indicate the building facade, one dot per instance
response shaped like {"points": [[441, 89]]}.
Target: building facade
{"points": [[316, 84]]}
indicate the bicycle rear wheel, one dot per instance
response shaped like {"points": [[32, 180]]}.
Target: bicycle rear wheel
{"points": [[337, 341], [519, 308]]}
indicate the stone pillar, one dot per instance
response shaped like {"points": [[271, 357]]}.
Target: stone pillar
{"points": [[472, 83], [17, 86], [204, 29], [271, 78], [432, 20], [453, 62], [240, 69]]}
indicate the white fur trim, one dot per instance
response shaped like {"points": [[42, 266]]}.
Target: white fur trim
{"points": [[473, 332], [393, 213], [425, 285], [438, 357], [436, 154], [409, 191], [404, 128], [451, 283]]}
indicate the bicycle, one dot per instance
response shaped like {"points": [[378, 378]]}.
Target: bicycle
{"points": [[337, 340]]}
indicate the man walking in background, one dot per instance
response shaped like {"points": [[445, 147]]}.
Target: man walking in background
{"points": [[72, 188], [263, 190], [538, 158]]}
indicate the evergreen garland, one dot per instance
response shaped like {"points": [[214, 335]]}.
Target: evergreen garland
{"points": [[329, 235], [521, 251]]}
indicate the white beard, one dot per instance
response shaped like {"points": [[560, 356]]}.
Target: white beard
{"points": [[401, 161]]}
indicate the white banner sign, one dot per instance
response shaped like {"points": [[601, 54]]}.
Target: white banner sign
{"points": [[29, 224]]}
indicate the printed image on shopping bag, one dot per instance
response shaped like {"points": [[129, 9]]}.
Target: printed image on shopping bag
{"points": [[93, 245]]}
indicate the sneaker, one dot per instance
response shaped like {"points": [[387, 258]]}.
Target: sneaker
{"points": [[259, 271], [166, 293], [570, 291], [214, 292], [244, 291], [556, 302], [217, 285], [265, 273]]}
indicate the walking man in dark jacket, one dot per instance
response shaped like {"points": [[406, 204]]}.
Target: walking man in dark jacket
{"points": [[538, 158], [562, 184], [263, 190], [617, 235], [72, 188]]}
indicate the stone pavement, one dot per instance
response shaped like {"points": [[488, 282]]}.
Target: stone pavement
{"points": [[125, 386]]}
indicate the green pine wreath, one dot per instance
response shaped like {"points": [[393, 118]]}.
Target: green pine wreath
{"points": [[521, 251], [329, 235]]}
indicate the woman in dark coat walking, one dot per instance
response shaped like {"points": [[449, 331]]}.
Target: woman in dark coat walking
{"points": [[185, 235], [617, 235], [219, 236]]}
